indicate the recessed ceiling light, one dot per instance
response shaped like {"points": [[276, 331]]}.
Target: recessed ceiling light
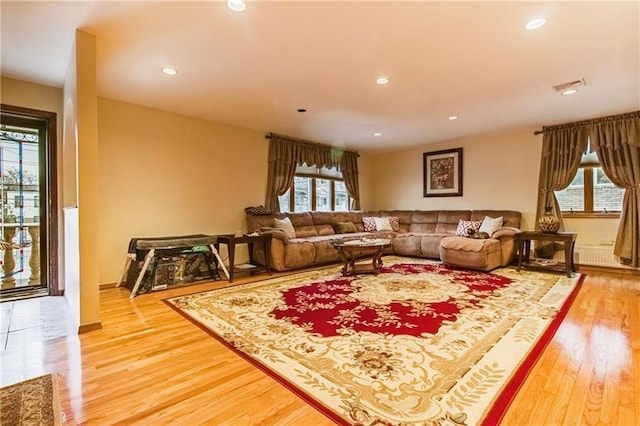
{"points": [[569, 92], [377, 134], [382, 80], [534, 24], [452, 117], [236, 5], [169, 71]]}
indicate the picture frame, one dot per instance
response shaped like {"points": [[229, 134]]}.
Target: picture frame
{"points": [[442, 173]]}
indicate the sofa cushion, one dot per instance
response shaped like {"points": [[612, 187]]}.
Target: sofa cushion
{"points": [[306, 231], [448, 220], [464, 252], [344, 227]]}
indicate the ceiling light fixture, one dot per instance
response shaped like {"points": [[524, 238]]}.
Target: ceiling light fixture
{"points": [[570, 87], [382, 80], [452, 117], [534, 24], [169, 71], [236, 5], [377, 134]]}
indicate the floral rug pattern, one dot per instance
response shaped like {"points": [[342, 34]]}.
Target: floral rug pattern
{"points": [[419, 343]]}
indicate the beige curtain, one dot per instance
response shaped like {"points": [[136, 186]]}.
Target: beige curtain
{"points": [[562, 148], [616, 140], [286, 153]]}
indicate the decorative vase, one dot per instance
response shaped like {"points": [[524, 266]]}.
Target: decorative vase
{"points": [[549, 222]]}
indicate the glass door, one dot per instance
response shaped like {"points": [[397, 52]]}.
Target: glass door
{"points": [[22, 149]]}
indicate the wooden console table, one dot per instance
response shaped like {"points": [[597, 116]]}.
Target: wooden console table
{"points": [[231, 241], [523, 241]]}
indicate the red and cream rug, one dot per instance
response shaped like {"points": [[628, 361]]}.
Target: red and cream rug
{"points": [[419, 343]]}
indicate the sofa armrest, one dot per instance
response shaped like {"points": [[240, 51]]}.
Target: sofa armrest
{"points": [[276, 233], [505, 231]]}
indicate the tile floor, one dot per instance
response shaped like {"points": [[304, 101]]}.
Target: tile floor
{"points": [[34, 320]]}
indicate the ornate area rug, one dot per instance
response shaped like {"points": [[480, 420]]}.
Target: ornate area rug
{"points": [[32, 402], [419, 343]]}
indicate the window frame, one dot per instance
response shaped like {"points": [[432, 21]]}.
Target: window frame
{"points": [[588, 199], [313, 194]]}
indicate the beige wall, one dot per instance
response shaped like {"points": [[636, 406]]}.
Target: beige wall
{"points": [[500, 172], [164, 174]]}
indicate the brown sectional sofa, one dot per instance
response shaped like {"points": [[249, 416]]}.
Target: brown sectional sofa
{"points": [[420, 234]]}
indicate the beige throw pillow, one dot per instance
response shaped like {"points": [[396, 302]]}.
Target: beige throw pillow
{"points": [[286, 225], [382, 223], [490, 225]]}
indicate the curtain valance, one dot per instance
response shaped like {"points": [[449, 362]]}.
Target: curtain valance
{"points": [[286, 153]]}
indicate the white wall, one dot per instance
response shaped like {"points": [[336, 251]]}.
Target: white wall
{"points": [[500, 171]]}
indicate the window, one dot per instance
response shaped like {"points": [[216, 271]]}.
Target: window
{"points": [[315, 189], [18, 201], [590, 193]]}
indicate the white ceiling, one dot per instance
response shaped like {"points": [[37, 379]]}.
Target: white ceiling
{"points": [[255, 69]]}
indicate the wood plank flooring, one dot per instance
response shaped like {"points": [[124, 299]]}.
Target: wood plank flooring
{"points": [[149, 366]]}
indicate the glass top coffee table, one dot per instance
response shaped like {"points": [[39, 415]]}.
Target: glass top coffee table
{"points": [[350, 251]]}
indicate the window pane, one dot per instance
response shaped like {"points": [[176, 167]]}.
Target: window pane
{"points": [[572, 197], [606, 196], [323, 195], [302, 199], [284, 201], [342, 198]]}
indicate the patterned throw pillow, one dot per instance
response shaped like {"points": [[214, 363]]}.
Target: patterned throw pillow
{"points": [[258, 211], [395, 223], [369, 224], [464, 226]]}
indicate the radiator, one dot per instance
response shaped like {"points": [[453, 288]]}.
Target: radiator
{"points": [[592, 255]]}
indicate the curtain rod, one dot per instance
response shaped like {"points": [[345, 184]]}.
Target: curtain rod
{"points": [[270, 135], [632, 114]]}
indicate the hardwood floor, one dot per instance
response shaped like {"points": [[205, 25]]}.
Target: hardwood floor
{"points": [[148, 365]]}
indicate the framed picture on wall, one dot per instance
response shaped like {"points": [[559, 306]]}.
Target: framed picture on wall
{"points": [[443, 173]]}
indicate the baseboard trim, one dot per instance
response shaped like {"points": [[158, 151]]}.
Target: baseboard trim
{"points": [[85, 328], [607, 269], [107, 286]]}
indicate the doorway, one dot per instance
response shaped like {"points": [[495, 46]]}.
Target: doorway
{"points": [[28, 203]]}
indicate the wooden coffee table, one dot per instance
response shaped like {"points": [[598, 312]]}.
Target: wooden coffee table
{"points": [[351, 251]]}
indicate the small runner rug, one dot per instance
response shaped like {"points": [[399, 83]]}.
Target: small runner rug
{"points": [[419, 343], [32, 402]]}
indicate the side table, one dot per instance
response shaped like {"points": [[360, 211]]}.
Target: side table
{"points": [[231, 241], [523, 241]]}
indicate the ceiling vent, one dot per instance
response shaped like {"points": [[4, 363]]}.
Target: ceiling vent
{"points": [[570, 86]]}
